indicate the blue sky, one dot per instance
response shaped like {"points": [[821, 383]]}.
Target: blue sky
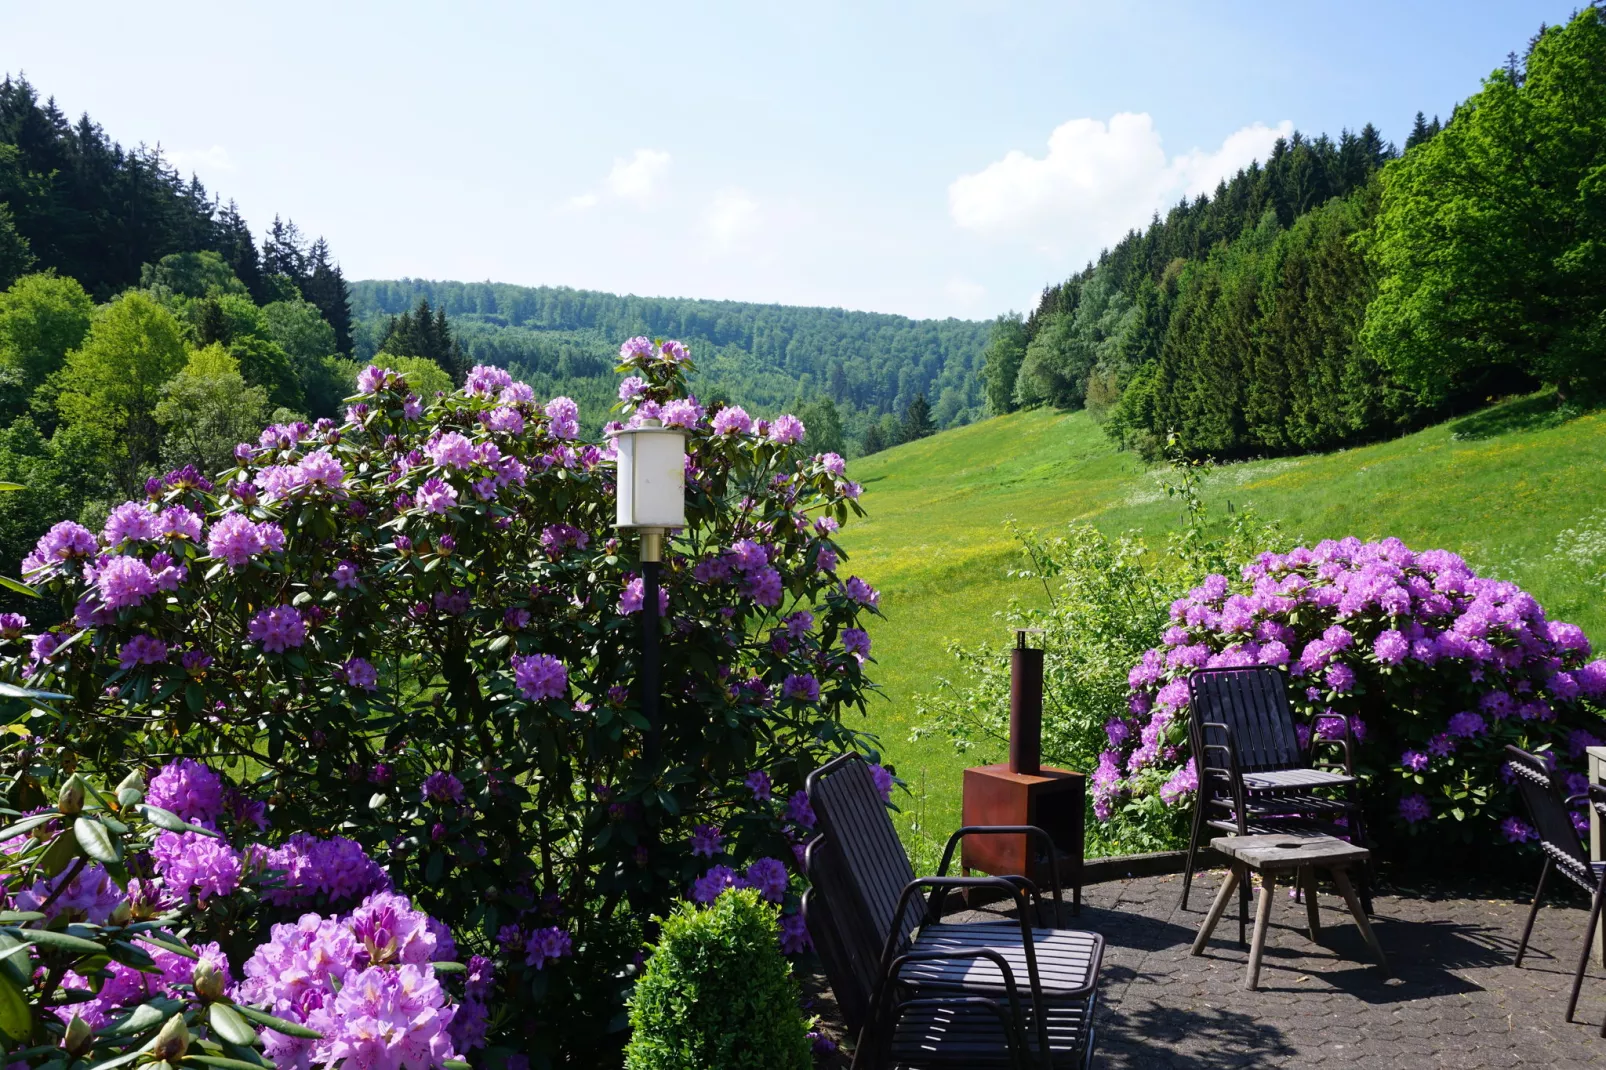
{"points": [[931, 159]]}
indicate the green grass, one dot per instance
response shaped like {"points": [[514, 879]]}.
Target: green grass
{"points": [[1499, 487]]}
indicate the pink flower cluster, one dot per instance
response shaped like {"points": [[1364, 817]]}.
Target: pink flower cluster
{"points": [[1411, 656]]}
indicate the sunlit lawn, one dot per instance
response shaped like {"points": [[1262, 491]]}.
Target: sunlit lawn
{"points": [[1499, 488]]}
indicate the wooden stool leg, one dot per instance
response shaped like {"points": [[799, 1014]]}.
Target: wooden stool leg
{"points": [[1312, 915], [1217, 908], [1268, 884], [1341, 878]]}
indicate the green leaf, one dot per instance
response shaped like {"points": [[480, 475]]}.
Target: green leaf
{"points": [[230, 1026], [278, 1025], [13, 691], [4, 486], [166, 819], [17, 585], [449, 967], [16, 1021], [170, 943], [18, 917], [51, 940], [145, 1016], [455, 1064], [119, 1061], [27, 824], [96, 840], [218, 1060]]}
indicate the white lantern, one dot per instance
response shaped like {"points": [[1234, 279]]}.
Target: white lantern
{"points": [[652, 480]]}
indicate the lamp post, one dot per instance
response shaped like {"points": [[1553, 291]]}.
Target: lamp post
{"points": [[651, 500]]}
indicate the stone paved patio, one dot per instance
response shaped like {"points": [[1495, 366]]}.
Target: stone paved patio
{"points": [[1455, 999]]}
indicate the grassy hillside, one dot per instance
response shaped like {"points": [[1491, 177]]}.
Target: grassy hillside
{"points": [[1517, 489]]}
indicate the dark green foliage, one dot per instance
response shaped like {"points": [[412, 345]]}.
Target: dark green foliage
{"points": [[873, 442], [824, 427], [1006, 348], [15, 256], [717, 994], [422, 333], [93, 211], [1491, 237], [917, 420]]}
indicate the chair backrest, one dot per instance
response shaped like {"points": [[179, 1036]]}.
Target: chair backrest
{"points": [[875, 869], [1253, 703], [1545, 797], [847, 951]]}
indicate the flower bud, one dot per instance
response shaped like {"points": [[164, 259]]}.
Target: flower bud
{"points": [[121, 913], [131, 790], [71, 800], [208, 981], [173, 1041], [76, 1040]]}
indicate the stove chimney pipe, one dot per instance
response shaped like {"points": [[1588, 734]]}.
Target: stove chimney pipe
{"points": [[1025, 708]]}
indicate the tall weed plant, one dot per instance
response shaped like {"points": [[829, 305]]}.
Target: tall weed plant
{"points": [[1108, 598]]}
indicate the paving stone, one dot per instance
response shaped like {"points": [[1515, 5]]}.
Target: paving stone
{"points": [[1456, 1000]]}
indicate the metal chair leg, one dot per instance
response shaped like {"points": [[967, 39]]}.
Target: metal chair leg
{"points": [[1589, 946], [1533, 912], [1193, 849]]}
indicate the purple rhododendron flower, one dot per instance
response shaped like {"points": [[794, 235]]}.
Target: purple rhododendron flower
{"points": [[768, 875], [142, 650], [707, 888], [336, 869], [787, 430], [883, 780], [188, 789], [196, 866], [1415, 808], [360, 673], [859, 591], [799, 811], [547, 945], [707, 840], [1414, 760], [856, 641], [436, 495], [1517, 830], [278, 629], [635, 591], [732, 420], [441, 786], [758, 782], [540, 676], [795, 939], [801, 687]]}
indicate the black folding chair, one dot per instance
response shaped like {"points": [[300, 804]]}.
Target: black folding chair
{"points": [[923, 992], [1254, 777], [1546, 798]]}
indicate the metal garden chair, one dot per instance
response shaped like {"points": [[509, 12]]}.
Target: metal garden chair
{"points": [[921, 992], [1545, 797], [1254, 776]]}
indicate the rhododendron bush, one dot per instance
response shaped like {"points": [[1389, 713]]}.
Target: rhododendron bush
{"points": [[416, 632], [1425, 668]]}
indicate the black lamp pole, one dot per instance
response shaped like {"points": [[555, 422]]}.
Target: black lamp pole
{"points": [[651, 551]]}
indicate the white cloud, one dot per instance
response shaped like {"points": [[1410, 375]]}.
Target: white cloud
{"points": [[1200, 170], [185, 161], [583, 201], [731, 217], [1097, 181], [640, 178]]}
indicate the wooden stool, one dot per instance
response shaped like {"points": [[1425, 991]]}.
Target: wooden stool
{"points": [[1292, 855]]}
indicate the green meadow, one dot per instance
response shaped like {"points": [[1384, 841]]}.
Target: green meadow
{"points": [[1518, 489]]}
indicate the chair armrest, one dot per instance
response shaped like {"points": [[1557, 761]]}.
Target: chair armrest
{"points": [[1014, 1025], [1235, 772], [1010, 830]]}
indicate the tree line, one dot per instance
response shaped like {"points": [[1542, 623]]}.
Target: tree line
{"points": [[871, 367], [1344, 290]]}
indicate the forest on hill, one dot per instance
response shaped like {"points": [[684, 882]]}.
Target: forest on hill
{"points": [[870, 368], [1345, 290]]}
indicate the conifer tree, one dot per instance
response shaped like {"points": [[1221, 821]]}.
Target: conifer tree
{"points": [[917, 420], [1419, 132], [873, 442], [326, 289], [239, 250]]}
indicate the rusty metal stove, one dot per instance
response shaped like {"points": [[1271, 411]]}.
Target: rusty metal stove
{"points": [[1022, 792]]}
